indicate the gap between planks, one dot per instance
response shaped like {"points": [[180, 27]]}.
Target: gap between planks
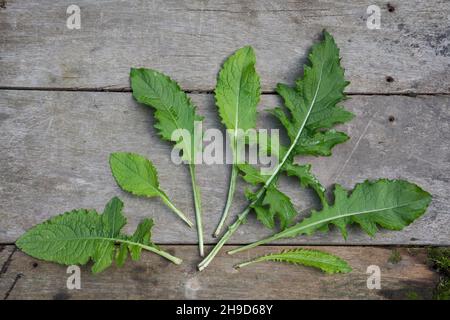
{"points": [[191, 91]]}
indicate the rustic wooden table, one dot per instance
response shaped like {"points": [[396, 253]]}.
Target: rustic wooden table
{"points": [[65, 105]]}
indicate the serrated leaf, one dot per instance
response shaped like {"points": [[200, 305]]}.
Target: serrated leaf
{"points": [[174, 110], [136, 174], [307, 179], [275, 204], [326, 262], [391, 204], [313, 103], [321, 143], [77, 236], [238, 90], [175, 113], [237, 94], [141, 235]]}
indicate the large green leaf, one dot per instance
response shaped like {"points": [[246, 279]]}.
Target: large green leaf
{"points": [[237, 94], [176, 121], [77, 236], [136, 174], [391, 204], [326, 262]]}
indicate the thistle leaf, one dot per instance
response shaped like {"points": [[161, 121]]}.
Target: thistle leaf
{"points": [[81, 235], [312, 105], [326, 262], [176, 116], [238, 90], [137, 175], [391, 204], [237, 95], [174, 110]]}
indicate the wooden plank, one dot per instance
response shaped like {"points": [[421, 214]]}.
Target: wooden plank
{"points": [[155, 278], [55, 148], [190, 39]]}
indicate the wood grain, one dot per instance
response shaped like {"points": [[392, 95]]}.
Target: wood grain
{"points": [[55, 148], [155, 278], [190, 39]]}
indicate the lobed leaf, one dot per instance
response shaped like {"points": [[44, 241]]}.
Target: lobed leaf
{"points": [[326, 262], [81, 235]]}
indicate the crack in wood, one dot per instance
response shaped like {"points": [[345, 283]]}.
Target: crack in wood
{"points": [[204, 91], [5, 265], [13, 285]]}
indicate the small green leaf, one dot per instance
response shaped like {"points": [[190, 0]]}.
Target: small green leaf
{"points": [[135, 174], [138, 175], [391, 204], [77, 236], [326, 262]]}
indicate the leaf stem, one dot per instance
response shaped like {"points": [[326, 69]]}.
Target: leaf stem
{"points": [[198, 209], [231, 190], [162, 253], [246, 263], [178, 212], [255, 244]]}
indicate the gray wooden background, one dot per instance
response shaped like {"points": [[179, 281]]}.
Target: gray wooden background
{"points": [[65, 106]]}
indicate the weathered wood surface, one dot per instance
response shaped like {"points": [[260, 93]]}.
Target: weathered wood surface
{"points": [[155, 278], [55, 148], [190, 39]]}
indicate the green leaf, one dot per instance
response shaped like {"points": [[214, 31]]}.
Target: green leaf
{"points": [[312, 105], [326, 262], [136, 174], [175, 113], [391, 204], [81, 235], [237, 94], [321, 143], [307, 179], [174, 110], [238, 90]]}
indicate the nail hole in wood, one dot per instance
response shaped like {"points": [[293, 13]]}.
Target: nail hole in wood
{"points": [[390, 7], [389, 79], [391, 118]]}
